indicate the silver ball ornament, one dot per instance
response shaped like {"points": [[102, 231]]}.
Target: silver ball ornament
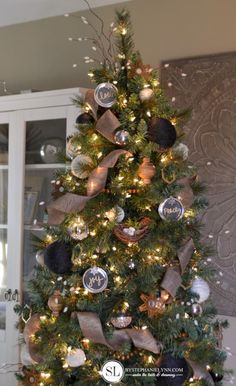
{"points": [[145, 94], [121, 137], [131, 264], [201, 288], [196, 309]]}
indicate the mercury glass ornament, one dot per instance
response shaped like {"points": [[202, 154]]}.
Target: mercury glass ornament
{"points": [[121, 137], [196, 309], [78, 229], [121, 320], [131, 264], [181, 150]]}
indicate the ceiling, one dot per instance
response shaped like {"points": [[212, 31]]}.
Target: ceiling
{"points": [[20, 11]]}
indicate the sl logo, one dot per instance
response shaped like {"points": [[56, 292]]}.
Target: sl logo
{"points": [[112, 371]]}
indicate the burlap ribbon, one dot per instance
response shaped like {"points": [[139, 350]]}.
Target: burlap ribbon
{"points": [[72, 203], [186, 195], [91, 328], [172, 278], [107, 124], [200, 372], [90, 101]]}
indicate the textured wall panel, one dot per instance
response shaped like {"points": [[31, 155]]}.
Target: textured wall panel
{"points": [[208, 86]]}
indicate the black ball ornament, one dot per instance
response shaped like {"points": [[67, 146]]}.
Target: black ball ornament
{"points": [[84, 118], [168, 361], [57, 257], [215, 376], [162, 132]]}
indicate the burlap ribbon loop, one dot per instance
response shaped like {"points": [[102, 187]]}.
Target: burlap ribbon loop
{"points": [[200, 372], [184, 254], [107, 124], [172, 278], [186, 195], [72, 203], [91, 328], [90, 101]]}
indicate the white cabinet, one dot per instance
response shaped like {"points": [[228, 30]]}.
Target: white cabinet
{"points": [[33, 128]]}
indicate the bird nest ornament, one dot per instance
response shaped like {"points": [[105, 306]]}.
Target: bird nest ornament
{"points": [[130, 234]]}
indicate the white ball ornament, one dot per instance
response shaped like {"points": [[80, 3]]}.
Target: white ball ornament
{"points": [[145, 94], [201, 288], [78, 164], [75, 358]]}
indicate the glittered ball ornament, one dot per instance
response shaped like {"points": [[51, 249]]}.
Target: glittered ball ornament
{"points": [[162, 132], [201, 288], [169, 362], [75, 358], [121, 137], [121, 320], [78, 230], [80, 164], [196, 309], [40, 257], [57, 257], [146, 94], [84, 118]]}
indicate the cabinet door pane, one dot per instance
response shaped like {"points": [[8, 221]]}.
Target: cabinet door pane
{"points": [[3, 282], [45, 141]]}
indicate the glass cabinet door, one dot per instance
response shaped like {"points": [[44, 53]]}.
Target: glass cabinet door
{"points": [[44, 155], [3, 224]]}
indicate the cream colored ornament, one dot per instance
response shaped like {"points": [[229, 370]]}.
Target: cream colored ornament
{"points": [[75, 358], [201, 288], [146, 94], [78, 164], [115, 214]]}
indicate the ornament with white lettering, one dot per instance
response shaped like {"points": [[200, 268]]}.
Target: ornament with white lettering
{"points": [[171, 209], [95, 280], [105, 94]]}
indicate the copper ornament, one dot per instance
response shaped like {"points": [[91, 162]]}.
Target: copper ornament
{"points": [[153, 305], [146, 171]]}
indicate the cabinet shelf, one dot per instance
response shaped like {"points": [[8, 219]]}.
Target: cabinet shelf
{"points": [[45, 166], [3, 226], [3, 167]]}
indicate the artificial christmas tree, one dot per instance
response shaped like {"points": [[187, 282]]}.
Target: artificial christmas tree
{"points": [[122, 275]]}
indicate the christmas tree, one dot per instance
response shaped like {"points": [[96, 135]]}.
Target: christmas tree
{"points": [[121, 273]]}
